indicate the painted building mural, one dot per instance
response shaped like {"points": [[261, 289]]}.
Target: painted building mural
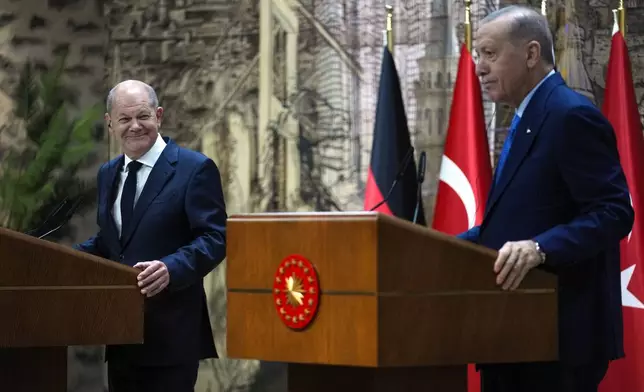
{"points": [[282, 95]]}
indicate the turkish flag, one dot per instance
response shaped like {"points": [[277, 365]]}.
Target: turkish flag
{"points": [[620, 107], [466, 172]]}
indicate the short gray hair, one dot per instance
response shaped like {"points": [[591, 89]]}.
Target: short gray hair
{"points": [[152, 95], [526, 25]]}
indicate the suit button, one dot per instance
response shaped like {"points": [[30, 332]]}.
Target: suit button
{"points": [[121, 257]]}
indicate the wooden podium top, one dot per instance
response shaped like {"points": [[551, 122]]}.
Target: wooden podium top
{"points": [[392, 294], [52, 295]]}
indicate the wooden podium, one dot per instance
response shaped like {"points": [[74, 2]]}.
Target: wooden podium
{"points": [[402, 307], [52, 297]]}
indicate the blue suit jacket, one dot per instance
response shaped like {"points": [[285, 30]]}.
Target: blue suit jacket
{"points": [[563, 186], [180, 219]]}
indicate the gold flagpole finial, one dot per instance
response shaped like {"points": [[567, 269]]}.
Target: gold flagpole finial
{"points": [[544, 4], [468, 25], [622, 17], [390, 27]]}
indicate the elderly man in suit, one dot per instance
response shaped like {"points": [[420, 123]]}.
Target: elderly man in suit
{"points": [[559, 202], [161, 210]]}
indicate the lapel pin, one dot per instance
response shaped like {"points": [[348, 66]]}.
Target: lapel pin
{"points": [[528, 131]]}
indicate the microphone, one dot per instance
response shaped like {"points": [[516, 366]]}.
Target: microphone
{"points": [[399, 175], [422, 163], [66, 219], [55, 212]]}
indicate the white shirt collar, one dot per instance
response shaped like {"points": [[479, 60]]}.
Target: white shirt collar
{"points": [[152, 156], [526, 100]]}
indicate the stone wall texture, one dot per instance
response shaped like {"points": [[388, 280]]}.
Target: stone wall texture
{"points": [[37, 31]]}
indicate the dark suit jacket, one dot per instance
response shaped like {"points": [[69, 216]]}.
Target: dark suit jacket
{"points": [[180, 219], [563, 186]]}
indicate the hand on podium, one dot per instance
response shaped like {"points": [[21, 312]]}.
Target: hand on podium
{"points": [[154, 277], [514, 261]]}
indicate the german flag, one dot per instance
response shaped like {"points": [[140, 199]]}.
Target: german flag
{"points": [[392, 169]]}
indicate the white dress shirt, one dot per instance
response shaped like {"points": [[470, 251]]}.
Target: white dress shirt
{"points": [[526, 100], [147, 160]]}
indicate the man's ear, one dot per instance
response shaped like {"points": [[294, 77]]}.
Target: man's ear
{"points": [[533, 54], [108, 121], [159, 114]]}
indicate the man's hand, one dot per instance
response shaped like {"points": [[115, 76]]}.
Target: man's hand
{"points": [[514, 261], [153, 278]]}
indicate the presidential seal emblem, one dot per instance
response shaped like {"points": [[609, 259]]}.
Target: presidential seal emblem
{"points": [[296, 292]]}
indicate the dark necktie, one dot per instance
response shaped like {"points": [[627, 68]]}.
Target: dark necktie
{"points": [[129, 192], [506, 148]]}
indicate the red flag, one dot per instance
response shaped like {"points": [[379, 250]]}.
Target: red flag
{"points": [[466, 172], [392, 171], [620, 107]]}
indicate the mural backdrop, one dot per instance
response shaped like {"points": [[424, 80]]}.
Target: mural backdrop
{"points": [[281, 94]]}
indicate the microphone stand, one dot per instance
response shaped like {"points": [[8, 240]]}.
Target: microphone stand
{"points": [[422, 163]]}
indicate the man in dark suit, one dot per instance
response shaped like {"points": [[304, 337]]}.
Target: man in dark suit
{"points": [[161, 210], [559, 202]]}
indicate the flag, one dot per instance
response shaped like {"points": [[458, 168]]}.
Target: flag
{"points": [[620, 107], [466, 172], [391, 145]]}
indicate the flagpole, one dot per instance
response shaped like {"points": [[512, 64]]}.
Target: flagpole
{"points": [[468, 25], [622, 18], [390, 29], [544, 12]]}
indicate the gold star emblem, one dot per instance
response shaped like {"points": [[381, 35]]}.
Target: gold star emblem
{"points": [[294, 290]]}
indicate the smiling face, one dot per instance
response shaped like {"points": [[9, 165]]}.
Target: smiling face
{"points": [[506, 65], [133, 119]]}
